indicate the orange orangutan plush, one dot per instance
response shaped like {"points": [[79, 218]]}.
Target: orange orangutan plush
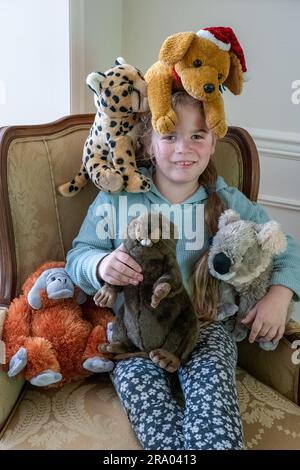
{"points": [[52, 331]]}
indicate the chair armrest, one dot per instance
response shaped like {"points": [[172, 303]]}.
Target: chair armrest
{"points": [[11, 389], [280, 368], [3, 311]]}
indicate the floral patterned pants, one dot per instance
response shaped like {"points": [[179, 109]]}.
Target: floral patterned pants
{"points": [[210, 418]]}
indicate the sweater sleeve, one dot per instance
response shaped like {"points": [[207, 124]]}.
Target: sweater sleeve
{"points": [[94, 242], [286, 270]]}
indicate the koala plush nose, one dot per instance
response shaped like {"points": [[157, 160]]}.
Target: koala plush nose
{"points": [[221, 263], [209, 88]]}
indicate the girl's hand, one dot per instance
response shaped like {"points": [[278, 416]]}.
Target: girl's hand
{"points": [[268, 316], [119, 269]]}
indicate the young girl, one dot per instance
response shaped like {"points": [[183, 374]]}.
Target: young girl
{"points": [[183, 173]]}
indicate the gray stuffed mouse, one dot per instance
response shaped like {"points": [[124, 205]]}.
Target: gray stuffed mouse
{"points": [[158, 320]]}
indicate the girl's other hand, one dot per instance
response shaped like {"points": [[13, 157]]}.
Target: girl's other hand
{"points": [[267, 318], [119, 269]]}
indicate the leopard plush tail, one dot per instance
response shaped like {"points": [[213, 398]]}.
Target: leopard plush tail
{"points": [[71, 188]]}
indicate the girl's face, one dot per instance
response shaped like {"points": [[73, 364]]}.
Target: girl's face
{"points": [[183, 155]]}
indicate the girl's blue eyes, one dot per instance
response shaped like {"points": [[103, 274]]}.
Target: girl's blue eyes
{"points": [[197, 137], [172, 138]]}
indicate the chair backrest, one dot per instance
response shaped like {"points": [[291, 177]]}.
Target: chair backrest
{"points": [[38, 224]]}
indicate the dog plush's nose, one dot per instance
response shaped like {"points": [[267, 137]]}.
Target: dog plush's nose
{"points": [[209, 87], [221, 263]]}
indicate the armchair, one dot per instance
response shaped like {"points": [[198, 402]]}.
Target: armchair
{"points": [[37, 224]]}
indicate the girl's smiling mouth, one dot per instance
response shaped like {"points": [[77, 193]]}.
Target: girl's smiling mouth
{"points": [[184, 164]]}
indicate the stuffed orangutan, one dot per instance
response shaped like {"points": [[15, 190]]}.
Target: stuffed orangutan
{"points": [[159, 320], [52, 331]]}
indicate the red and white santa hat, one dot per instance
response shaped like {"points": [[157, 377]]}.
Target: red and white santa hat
{"points": [[226, 40]]}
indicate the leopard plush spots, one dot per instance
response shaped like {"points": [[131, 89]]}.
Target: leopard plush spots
{"points": [[120, 95]]}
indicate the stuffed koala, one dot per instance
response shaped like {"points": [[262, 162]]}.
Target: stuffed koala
{"points": [[120, 95], [241, 257], [52, 331], [158, 316]]}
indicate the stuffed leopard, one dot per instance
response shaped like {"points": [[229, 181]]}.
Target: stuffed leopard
{"points": [[109, 151]]}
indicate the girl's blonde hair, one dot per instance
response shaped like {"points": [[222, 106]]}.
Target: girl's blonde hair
{"points": [[205, 288]]}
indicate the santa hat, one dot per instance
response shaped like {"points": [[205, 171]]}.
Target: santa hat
{"points": [[226, 40]]}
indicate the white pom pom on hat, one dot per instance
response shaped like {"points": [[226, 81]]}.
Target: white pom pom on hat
{"points": [[226, 40]]}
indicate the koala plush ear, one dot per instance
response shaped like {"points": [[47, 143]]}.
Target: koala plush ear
{"points": [[271, 238], [120, 61], [94, 79], [228, 217]]}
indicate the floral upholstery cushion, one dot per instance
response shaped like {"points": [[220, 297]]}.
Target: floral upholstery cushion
{"points": [[270, 420], [81, 415], [88, 415]]}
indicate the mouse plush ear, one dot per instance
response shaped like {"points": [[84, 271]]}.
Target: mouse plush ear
{"points": [[169, 229], [175, 47], [129, 231]]}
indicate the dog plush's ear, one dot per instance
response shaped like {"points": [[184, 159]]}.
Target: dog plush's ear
{"points": [[34, 295], [234, 81], [175, 47]]}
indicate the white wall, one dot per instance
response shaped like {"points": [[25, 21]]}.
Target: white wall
{"points": [[34, 61], [96, 38]]}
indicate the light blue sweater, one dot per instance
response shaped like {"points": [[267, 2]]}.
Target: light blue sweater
{"points": [[109, 213]]}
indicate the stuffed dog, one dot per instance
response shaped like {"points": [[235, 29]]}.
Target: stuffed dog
{"points": [[158, 316], [201, 64]]}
